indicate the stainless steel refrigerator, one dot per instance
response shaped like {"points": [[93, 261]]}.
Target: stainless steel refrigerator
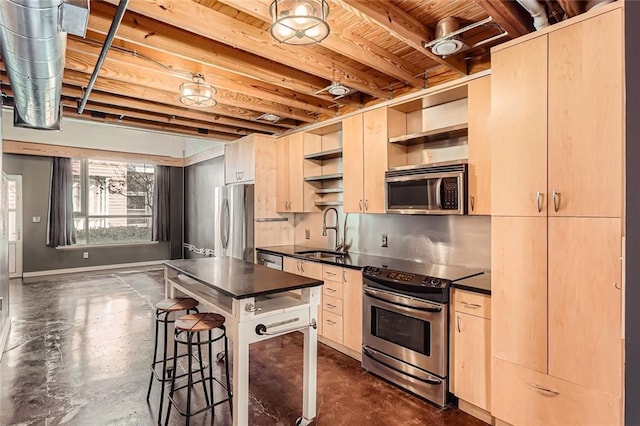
{"points": [[233, 207]]}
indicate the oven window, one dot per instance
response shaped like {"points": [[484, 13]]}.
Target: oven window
{"points": [[411, 333]]}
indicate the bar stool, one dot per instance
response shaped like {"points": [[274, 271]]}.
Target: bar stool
{"points": [[163, 309], [186, 327]]}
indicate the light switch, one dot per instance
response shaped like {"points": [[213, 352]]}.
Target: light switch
{"points": [[35, 219]]}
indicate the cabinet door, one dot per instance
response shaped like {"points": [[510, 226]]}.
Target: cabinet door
{"points": [[352, 311], [353, 168], [519, 290], [291, 265], [519, 123], [479, 112], [375, 156], [586, 111], [247, 160], [231, 161], [472, 365], [296, 174], [585, 330], [282, 175]]}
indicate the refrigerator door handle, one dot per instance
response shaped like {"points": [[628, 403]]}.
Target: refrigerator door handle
{"points": [[225, 223]]}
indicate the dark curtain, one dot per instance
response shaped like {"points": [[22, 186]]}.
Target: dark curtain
{"points": [[161, 206], [61, 231]]}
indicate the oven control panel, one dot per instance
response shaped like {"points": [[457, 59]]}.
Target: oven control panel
{"points": [[389, 276]]}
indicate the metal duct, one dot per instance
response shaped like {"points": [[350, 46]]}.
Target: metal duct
{"points": [[33, 44], [537, 12]]}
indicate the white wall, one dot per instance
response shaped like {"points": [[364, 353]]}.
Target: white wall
{"points": [[89, 134], [194, 146]]}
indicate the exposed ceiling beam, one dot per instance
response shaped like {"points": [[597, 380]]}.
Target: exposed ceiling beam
{"points": [[343, 42], [509, 15], [400, 25], [160, 96], [163, 120], [155, 78], [212, 75], [139, 31], [209, 23], [215, 122]]}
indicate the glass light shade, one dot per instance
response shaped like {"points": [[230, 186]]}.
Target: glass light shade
{"points": [[299, 21], [198, 93]]}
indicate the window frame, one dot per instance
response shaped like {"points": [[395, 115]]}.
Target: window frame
{"points": [[85, 217]]}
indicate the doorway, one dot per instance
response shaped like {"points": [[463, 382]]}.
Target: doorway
{"points": [[14, 197]]}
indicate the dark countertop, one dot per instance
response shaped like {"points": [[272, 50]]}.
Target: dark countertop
{"points": [[478, 284], [240, 279], [359, 261]]}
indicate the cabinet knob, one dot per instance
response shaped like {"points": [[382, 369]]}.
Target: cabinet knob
{"points": [[556, 200], [472, 199], [366, 205], [539, 199], [360, 205]]}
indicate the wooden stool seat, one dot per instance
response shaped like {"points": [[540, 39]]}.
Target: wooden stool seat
{"points": [[176, 304], [194, 323]]}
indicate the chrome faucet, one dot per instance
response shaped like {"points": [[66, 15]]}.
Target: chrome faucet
{"points": [[336, 227]]}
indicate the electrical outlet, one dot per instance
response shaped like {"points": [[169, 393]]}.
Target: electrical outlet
{"points": [[385, 240], [307, 234], [85, 254], [35, 219]]}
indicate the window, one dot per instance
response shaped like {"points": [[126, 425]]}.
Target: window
{"points": [[112, 201]]}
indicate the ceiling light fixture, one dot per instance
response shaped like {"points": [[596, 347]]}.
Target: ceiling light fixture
{"points": [[197, 92], [299, 22], [267, 116]]}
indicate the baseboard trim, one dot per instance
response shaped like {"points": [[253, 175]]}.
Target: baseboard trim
{"points": [[340, 348], [475, 411], [90, 268], [4, 336]]}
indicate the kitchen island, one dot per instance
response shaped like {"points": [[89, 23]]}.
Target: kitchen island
{"points": [[257, 305]]}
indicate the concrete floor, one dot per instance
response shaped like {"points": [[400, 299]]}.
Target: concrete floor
{"points": [[80, 348]]}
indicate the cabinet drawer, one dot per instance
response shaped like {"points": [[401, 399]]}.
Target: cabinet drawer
{"points": [[332, 273], [332, 326], [331, 288], [332, 304], [472, 303], [523, 396]]}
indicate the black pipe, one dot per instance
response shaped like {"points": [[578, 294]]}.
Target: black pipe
{"points": [[103, 53]]}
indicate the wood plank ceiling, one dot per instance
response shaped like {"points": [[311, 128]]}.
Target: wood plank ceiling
{"points": [[374, 48]]}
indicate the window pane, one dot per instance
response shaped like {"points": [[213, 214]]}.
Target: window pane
{"points": [[77, 185], [119, 230], [13, 226], [81, 235], [11, 194]]}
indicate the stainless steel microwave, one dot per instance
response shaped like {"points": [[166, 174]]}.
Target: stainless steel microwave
{"points": [[436, 189]]}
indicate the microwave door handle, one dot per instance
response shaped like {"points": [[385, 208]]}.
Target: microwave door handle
{"points": [[439, 193]]}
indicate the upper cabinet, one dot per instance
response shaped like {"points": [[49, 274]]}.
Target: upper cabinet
{"points": [[239, 161], [480, 136], [365, 141], [557, 147], [291, 191]]}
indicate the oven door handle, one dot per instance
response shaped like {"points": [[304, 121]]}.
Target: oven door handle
{"points": [[388, 362], [402, 301]]}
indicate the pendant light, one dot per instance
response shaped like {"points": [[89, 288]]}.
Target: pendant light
{"points": [[299, 22], [197, 92]]}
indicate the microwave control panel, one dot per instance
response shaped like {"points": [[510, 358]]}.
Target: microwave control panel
{"points": [[450, 193]]}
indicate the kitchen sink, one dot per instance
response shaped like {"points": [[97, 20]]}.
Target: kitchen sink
{"points": [[322, 254]]}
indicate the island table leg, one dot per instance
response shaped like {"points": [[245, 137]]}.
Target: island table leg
{"points": [[310, 370], [240, 378]]}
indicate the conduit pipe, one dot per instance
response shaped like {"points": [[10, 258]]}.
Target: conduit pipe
{"points": [[115, 24]]}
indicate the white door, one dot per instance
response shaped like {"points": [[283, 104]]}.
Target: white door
{"points": [[14, 195]]}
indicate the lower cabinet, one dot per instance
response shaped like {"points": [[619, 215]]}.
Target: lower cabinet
{"points": [[471, 346], [527, 397], [340, 310]]}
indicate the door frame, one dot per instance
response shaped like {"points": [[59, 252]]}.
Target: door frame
{"points": [[18, 243]]}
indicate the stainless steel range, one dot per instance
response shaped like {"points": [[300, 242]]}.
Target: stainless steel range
{"points": [[405, 326]]}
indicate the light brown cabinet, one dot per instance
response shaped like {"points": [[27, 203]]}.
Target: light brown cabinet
{"points": [[352, 312], [365, 163], [480, 136], [290, 194], [239, 161], [570, 163], [306, 269], [472, 348], [556, 258]]}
